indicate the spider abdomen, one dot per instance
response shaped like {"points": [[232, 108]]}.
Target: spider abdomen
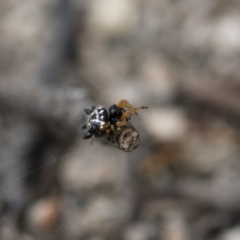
{"points": [[96, 122]]}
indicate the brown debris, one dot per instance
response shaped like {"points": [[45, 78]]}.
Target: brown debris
{"points": [[126, 138]]}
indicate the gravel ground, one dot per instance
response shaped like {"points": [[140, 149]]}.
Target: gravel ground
{"points": [[179, 58]]}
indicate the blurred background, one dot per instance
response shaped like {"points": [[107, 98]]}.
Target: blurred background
{"points": [[180, 58]]}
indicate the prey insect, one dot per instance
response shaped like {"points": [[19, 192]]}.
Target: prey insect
{"points": [[114, 124]]}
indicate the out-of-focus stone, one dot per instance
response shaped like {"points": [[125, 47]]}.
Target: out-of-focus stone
{"points": [[93, 166], [156, 78], [99, 175], [213, 149], [108, 18], [8, 231], [25, 27], [175, 226], [101, 215], [226, 37], [144, 230], [156, 209], [97, 238], [165, 124], [104, 212], [231, 234], [222, 190], [44, 214]]}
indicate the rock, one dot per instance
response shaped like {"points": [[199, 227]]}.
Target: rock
{"points": [[94, 166], [156, 77], [165, 124], [143, 230], [175, 226], [101, 215], [108, 18], [231, 234], [99, 176], [44, 214]]}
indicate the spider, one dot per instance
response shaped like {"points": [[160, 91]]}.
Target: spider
{"points": [[101, 123]]}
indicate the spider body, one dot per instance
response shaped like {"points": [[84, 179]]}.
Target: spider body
{"points": [[100, 122], [115, 114], [97, 122]]}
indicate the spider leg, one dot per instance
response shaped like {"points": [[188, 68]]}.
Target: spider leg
{"points": [[122, 123], [128, 113], [89, 111], [125, 104], [108, 132]]}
